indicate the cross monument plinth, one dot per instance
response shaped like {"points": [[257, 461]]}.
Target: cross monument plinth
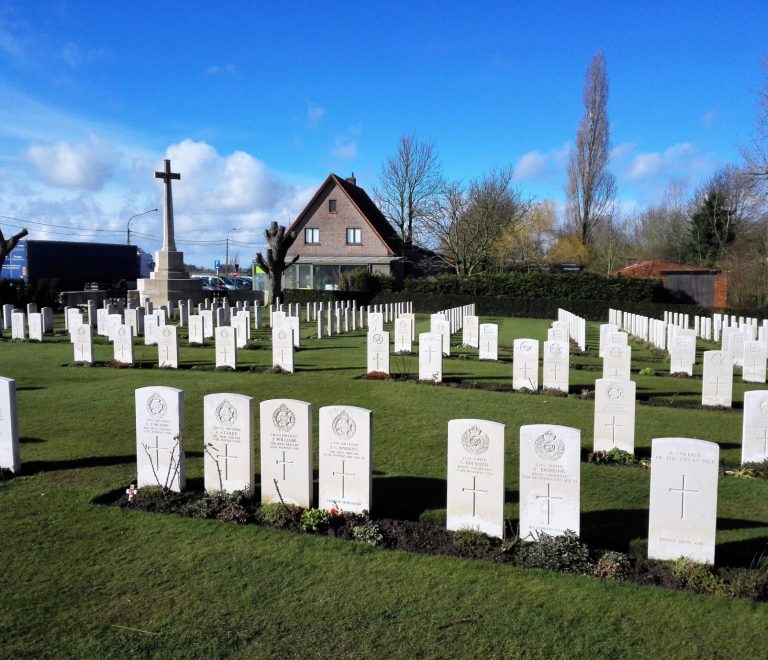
{"points": [[169, 280]]}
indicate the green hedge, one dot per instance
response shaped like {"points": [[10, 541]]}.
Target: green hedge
{"points": [[556, 286]]}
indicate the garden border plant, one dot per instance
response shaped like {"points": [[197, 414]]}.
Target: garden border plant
{"points": [[566, 553]]}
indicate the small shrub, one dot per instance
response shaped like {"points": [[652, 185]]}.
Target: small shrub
{"points": [[759, 470], [612, 566], [277, 369], [314, 520], [549, 391], [368, 532], [699, 578], [621, 457], [745, 582], [565, 553], [473, 541], [233, 513], [647, 371], [377, 375], [279, 515], [680, 374], [741, 472], [227, 507], [587, 394]]}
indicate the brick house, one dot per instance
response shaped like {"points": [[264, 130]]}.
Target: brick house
{"points": [[341, 230], [705, 286]]}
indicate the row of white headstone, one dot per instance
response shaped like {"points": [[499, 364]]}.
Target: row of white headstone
{"points": [[576, 326], [683, 481]]}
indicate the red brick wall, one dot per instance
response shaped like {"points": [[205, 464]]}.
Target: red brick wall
{"points": [[720, 299], [333, 229]]}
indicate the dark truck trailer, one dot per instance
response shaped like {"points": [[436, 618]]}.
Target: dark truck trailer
{"points": [[74, 265]]}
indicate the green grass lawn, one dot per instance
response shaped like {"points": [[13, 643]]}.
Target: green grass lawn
{"points": [[92, 581]]}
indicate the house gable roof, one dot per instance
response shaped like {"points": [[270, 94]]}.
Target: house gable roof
{"points": [[364, 204]]}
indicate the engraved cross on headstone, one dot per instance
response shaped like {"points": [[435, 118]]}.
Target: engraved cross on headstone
{"points": [[226, 457], [474, 490], [169, 244], [613, 426], [157, 449], [683, 491], [764, 438], [549, 497], [285, 462], [344, 474]]}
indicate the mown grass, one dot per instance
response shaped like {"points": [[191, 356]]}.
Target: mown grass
{"points": [[93, 581]]}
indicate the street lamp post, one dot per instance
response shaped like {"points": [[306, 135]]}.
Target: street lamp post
{"points": [[128, 228], [226, 256]]}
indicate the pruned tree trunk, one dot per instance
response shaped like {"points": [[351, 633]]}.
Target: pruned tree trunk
{"points": [[274, 264], [6, 245]]}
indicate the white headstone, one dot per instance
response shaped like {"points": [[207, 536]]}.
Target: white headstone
{"points": [[476, 476], [717, 379], [228, 463], [10, 457], [150, 330], [754, 438], [439, 325], [753, 370], [403, 335], [226, 347], [683, 506], [614, 414], [83, 343], [489, 341], [18, 328], [617, 361], [375, 322], [471, 331], [35, 324], [282, 347], [208, 323], [378, 351], [286, 451], [196, 333], [160, 459], [550, 480], [122, 345], [431, 357], [345, 458], [167, 346], [556, 365], [525, 365]]}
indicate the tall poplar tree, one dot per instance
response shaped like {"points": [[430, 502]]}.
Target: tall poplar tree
{"points": [[591, 188]]}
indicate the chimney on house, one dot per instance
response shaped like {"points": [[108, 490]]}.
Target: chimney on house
{"points": [[352, 179]]}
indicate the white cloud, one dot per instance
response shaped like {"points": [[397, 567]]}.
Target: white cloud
{"points": [[68, 164], [620, 151], [542, 166], [221, 70], [315, 115], [346, 151], [679, 159], [530, 165]]}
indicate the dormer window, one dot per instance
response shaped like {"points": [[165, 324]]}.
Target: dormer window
{"points": [[331, 206]]}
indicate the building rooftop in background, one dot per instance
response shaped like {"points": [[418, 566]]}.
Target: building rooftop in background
{"points": [[703, 285]]}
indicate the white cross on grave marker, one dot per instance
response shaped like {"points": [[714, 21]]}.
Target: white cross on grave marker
{"points": [[226, 347], [378, 352], [160, 457], [614, 420], [717, 379], [282, 347], [431, 357], [556, 365], [525, 365], [345, 458], [489, 341], [475, 476], [286, 451], [683, 505], [550, 462], [228, 463]]}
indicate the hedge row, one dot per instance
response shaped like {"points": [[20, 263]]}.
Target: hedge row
{"points": [[558, 286]]}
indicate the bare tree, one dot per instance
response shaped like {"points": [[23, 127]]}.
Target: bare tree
{"points": [[591, 188], [7, 244], [756, 154], [274, 265], [660, 231], [472, 220], [411, 181]]}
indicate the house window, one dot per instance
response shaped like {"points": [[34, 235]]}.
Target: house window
{"points": [[354, 236], [311, 235], [331, 206]]}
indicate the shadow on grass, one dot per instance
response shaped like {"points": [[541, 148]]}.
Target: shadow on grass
{"points": [[745, 553], [31, 441], [30, 388], [35, 467]]}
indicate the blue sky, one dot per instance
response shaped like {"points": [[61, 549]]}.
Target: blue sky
{"points": [[256, 102]]}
